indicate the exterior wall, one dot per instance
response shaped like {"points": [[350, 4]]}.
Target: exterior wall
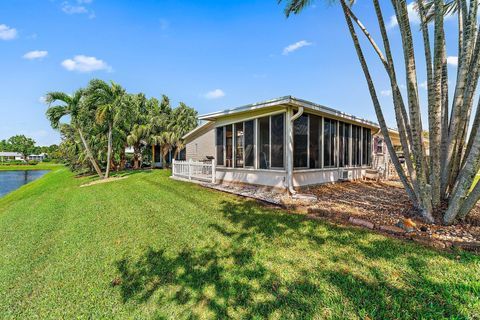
{"points": [[303, 178], [201, 147], [270, 178]]}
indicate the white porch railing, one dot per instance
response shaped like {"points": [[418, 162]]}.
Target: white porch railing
{"points": [[194, 170]]}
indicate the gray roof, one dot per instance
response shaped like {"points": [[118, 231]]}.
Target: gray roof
{"points": [[288, 100], [10, 154]]}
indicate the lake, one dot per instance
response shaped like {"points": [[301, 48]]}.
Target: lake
{"points": [[11, 180]]}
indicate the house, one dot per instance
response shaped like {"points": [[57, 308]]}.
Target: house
{"points": [[288, 143], [11, 156], [37, 157]]}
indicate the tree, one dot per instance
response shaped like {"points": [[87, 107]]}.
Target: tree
{"points": [[108, 101], [71, 106], [21, 144], [454, 160], [183, 120]]}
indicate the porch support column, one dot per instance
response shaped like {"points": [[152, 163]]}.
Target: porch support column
{"points": [[289, 132]]}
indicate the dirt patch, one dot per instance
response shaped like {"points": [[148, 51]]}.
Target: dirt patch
{"points": [[111, 179]]}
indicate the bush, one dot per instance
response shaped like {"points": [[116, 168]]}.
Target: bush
{"points": [[13, 163]]}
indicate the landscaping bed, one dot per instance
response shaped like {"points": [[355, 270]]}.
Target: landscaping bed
{"points": [[384, 206]]}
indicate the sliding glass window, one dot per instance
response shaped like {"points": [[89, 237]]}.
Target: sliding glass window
{"points": [[277, 140], [229, 145], [329, 135], [249, 143], [300, 142], [264, 142], [239, 145], [219, 146], [315, 141]]}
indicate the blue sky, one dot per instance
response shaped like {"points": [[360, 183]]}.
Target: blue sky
{"points": [[209, 54]]}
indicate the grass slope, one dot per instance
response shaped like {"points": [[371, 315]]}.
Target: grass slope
{"points": [[176, 250], [40, 166]]}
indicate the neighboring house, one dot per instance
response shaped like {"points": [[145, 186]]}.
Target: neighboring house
{"points": [[288, 142], [11, 156], [37, 157]]}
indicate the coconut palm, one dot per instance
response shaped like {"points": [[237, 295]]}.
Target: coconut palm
{"points": [[108, 101], [454, 155], [71, 106]]}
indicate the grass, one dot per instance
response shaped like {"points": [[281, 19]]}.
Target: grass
{"points": [[39, 166], [151, 247]]}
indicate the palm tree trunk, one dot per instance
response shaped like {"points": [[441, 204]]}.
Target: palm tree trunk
{"points": [[435, 105], [401, 12], [377, 107], [89, 154], [109, 151]]}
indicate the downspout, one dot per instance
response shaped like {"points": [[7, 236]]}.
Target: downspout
{"points": [[291, 118]]}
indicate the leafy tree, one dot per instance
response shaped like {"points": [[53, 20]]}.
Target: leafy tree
{"points": [[21, 144], [454, 161]]}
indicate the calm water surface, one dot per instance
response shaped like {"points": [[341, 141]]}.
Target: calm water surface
{"points": [[11, 180]]}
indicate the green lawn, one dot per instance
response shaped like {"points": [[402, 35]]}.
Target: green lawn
{"points": [[151, 247], [39, 166]]}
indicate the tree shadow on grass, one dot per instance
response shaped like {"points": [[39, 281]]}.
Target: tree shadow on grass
{"points": [[230, 279]]}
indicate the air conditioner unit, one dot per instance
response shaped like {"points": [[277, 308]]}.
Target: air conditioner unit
{"points": [[346, 175]]}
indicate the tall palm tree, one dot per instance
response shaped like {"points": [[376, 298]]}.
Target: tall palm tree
{"points": [[107, 100], [183, 120], [454, 158], [71, 106]]}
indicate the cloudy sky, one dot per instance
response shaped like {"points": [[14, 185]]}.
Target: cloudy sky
{"points": [[209, 54]]}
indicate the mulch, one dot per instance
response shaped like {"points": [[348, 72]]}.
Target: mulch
{"points": [[385, 204]]}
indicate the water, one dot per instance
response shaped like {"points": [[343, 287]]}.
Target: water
{"points": [[11, 180]]}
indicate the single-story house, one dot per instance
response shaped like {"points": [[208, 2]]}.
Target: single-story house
{"points": [[10, 156], [37, 157], [288, 143]]}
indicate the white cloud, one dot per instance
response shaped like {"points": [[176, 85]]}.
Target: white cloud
{"points": [[386, 93], [36, 54], [7, 33], [42, 100], [452, 60], [78, 8], [85, 64], [69, 9], [215, 94], [295, 46], [413, 17]]}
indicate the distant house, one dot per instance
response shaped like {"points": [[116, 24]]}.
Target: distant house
{"points": [[11, 156], [287, 143], [37, 157]]}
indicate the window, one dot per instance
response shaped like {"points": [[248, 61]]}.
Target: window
{"points": [[264, 142], [277, 140], [300, 142], [249, 143], [378, 145], [315, 142], [239, 145], [344, 144], [229, 145], [219, 146], [367, 146], [329, 133], [356, 145]]}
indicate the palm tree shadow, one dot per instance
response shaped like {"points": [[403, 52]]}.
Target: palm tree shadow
{"points": [[227, 278]]}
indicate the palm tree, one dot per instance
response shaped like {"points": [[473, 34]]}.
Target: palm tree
{"points": [[183, 120], [454, 156], [72, 106], [108, 101]]}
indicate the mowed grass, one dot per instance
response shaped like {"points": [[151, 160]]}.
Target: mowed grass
{"points": [[39, 166], [151, 247]]}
